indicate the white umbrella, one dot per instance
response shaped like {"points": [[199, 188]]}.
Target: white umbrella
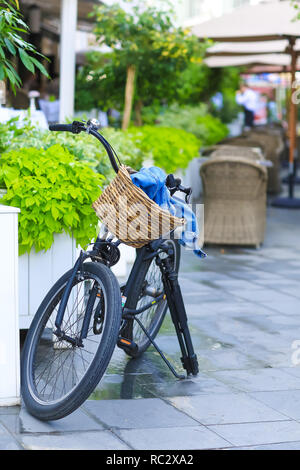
{"points": [[247, 48], [282, 60], [263, 22]]}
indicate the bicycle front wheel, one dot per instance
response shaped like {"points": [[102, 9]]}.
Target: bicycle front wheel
{"points": [[58, 375]]}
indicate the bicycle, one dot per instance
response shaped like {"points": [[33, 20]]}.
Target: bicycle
{"points": [[80, 321]]}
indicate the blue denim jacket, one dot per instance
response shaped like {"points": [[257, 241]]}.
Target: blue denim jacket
{"points": [[152, 181]]}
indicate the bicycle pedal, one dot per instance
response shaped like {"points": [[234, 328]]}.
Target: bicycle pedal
{"points": [[126, 344]]}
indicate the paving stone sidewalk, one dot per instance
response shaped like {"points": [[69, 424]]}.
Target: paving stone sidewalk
{"points": [[243, 307]]}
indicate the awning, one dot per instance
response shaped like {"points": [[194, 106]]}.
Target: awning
{"points": [[283, 60], [247, 48], [265, 21]]}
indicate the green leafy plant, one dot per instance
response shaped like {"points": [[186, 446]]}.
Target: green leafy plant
{"points": [[54, 193], [196, 120], [11, 131], [212, 129], [12, 44], [83, 147], [169, 148]]}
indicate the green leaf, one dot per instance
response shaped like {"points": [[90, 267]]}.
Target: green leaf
{"points": [[54, 212], [40, 67], [10, 46], [2, 74], [26, 59]]}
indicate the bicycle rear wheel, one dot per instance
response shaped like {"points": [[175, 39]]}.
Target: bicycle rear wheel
{"points": [[58, 375], [149, 279]]}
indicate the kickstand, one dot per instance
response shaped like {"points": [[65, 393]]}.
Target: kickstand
{"points": [[178, 376]]}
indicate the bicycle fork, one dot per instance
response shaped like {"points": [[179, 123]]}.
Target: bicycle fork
{"points": [[178, 314], [176, 306]]}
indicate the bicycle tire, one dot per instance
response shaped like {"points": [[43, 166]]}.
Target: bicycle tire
{"points": [[157, 312], [52, 409]]}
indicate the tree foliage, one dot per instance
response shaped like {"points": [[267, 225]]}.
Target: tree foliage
{"points": [[144, 40], [12, 44]]}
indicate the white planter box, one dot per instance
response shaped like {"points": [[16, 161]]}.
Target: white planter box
{"points": [[9, 328], [39, 271]]}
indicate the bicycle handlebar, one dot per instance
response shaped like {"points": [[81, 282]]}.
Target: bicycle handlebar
{"points": [[91, 127], [61, 127]]}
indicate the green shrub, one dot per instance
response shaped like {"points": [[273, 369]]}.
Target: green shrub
{"points": [[10, 130], [169, 148], [197, 120], [84, 147], [212, 128], [54, 193]]}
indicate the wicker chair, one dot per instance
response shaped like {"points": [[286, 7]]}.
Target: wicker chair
{"points": [[254, 153], [243, 141], [234, 192], [274, 146]]}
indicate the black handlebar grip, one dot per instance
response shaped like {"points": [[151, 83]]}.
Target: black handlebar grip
{"points": [[61, 127]]}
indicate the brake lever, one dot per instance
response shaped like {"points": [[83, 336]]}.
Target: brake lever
{"points": [[174, 185], [78, 127], [188, 193]]}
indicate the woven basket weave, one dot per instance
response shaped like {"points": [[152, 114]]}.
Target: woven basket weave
{"points": [[131, 215]]}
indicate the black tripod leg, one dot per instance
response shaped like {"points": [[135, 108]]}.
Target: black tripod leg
{"points": [[179, 318]]}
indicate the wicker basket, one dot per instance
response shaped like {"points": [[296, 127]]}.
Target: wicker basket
{"points": [[131, 215]]}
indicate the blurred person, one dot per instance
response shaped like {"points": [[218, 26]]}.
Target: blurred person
{"points": [[247, 98]]}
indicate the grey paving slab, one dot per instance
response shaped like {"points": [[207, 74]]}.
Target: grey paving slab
{"points": [[220, 359], [259, 433], [101, 440], [289, 307], [254, 274], [292, 291], [281, 446], [226, 408], [7, 442], [237, 285], [294, 370], [205, 276], [262, 295], [143, 413], [187, 438], [258, 379], [279, 284], [25, 423], [196, 386], [286, 402]]}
